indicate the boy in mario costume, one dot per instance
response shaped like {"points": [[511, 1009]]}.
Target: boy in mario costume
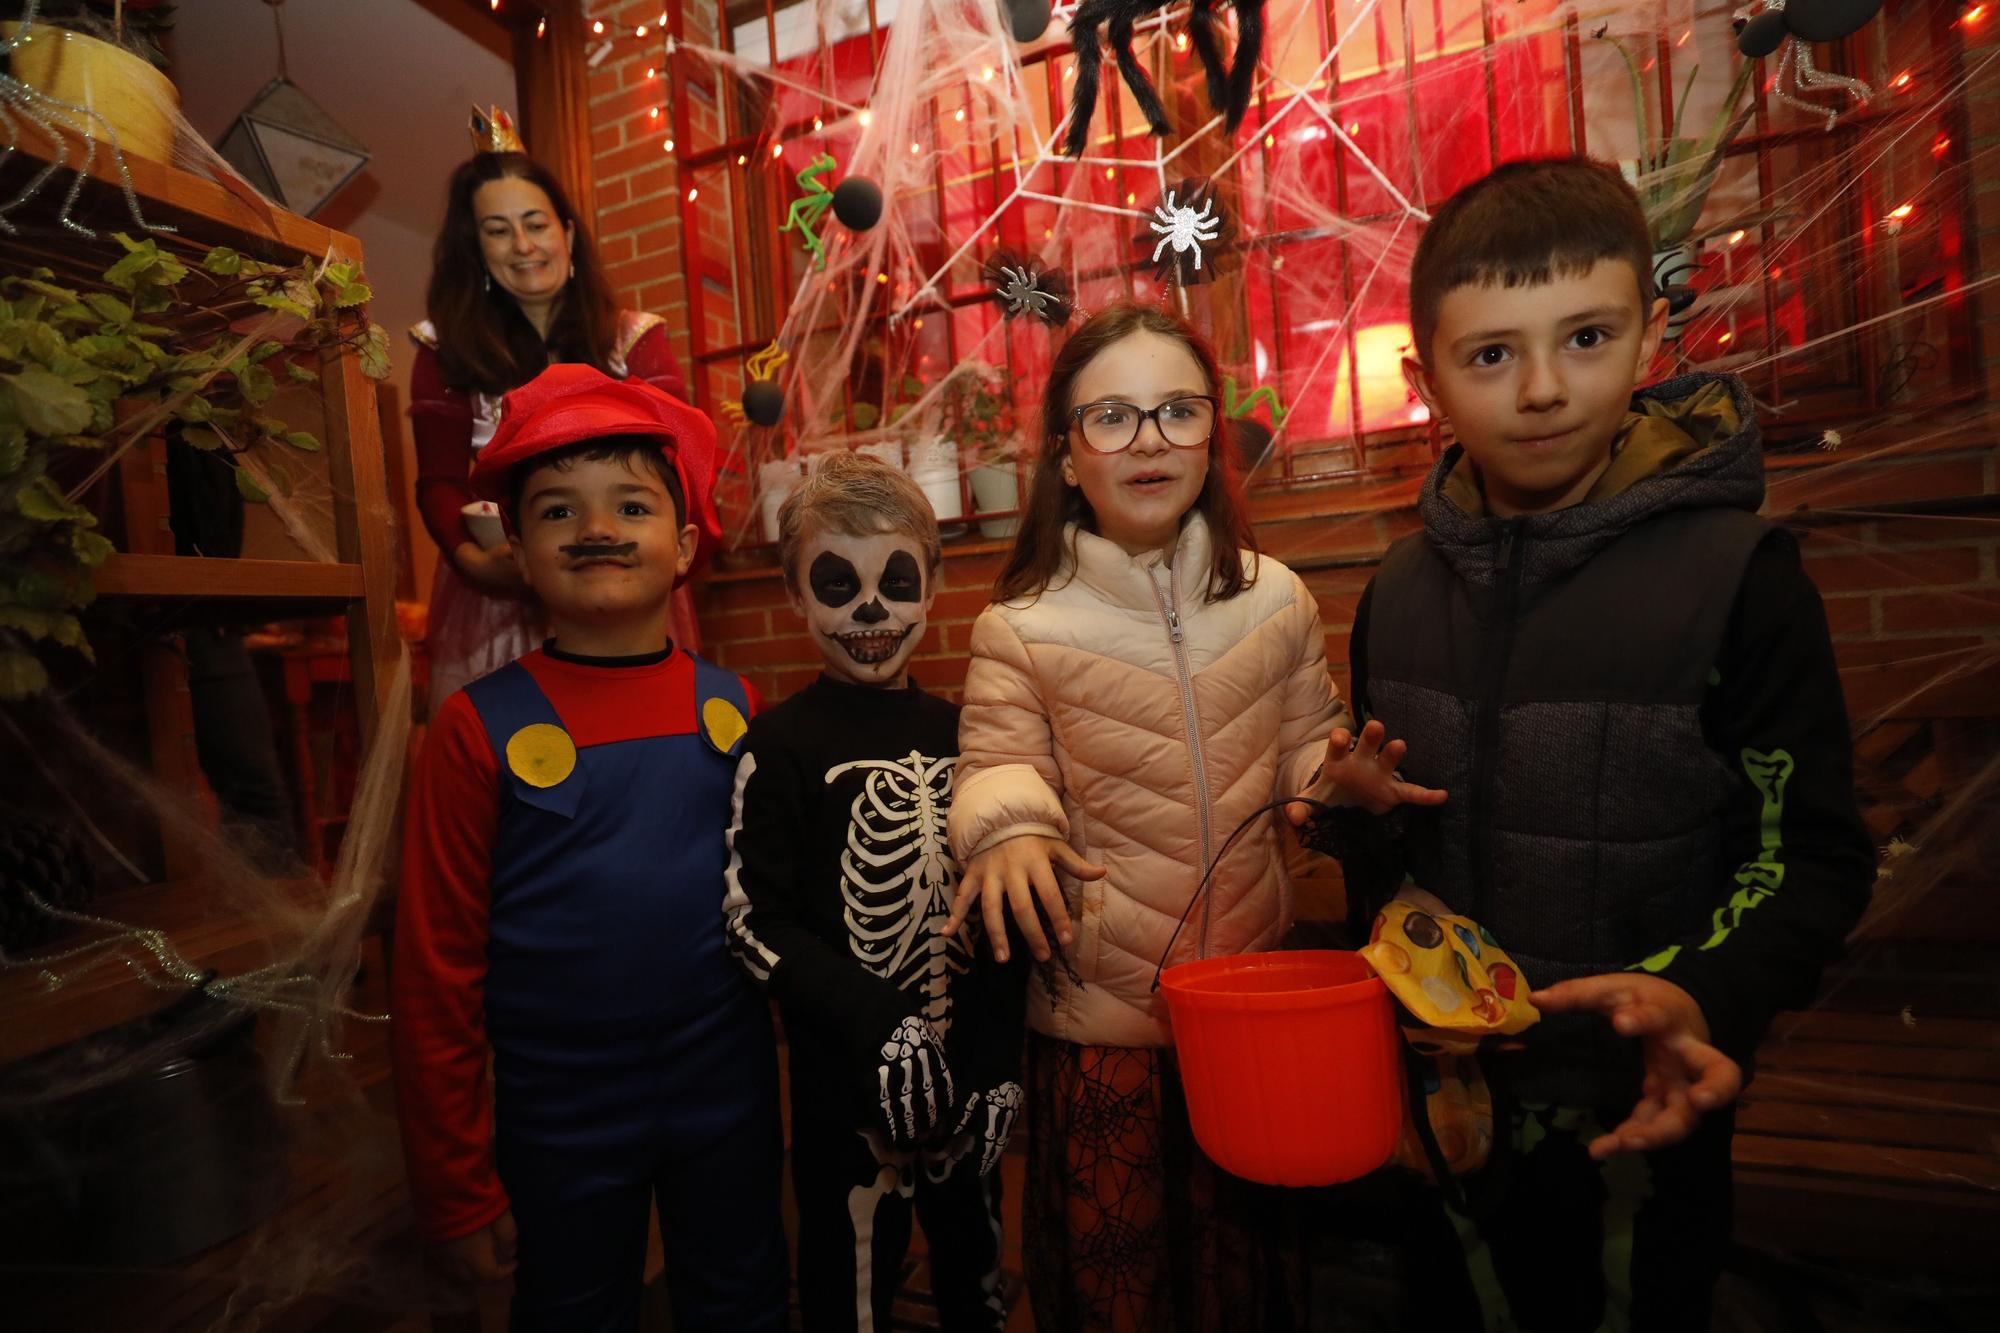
{"points": [[563, 862]]}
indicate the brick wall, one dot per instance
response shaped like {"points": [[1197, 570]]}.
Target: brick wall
{"points": [[638, 224]]}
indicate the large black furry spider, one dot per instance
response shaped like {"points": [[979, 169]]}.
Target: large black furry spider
{"points": [[1228, 90]]}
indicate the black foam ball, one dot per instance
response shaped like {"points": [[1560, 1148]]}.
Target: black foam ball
{"points": [[1763, 34], [1029, 19], [1828, 20], [764, 402], [857, 202]]}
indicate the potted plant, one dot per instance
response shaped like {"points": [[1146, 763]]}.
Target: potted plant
{"points": [[100, 54], [1673, 177], [86, 374], [978, 415]]}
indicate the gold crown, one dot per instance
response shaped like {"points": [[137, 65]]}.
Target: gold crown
{"points": [[493, 132]]}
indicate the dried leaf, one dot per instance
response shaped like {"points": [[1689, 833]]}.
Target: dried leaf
{"points": [[375, 353]]}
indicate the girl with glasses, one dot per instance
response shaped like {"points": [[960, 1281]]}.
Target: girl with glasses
{"points": [[1142, 682]]}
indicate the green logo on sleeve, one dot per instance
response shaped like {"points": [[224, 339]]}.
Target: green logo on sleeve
{"points": [[1762, 876]]}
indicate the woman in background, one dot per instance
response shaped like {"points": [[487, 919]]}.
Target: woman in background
{"points": [[515, 286]]}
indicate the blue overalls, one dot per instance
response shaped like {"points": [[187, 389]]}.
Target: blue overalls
{"points": [[633, 1060]]}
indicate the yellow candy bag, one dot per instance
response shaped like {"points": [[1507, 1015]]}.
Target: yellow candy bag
{"points": [[1460, 986], [1450, 973]]}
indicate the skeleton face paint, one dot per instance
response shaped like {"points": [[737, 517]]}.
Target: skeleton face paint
{"points": [[866, 599]]}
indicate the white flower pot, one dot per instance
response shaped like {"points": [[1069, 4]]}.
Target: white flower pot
{"points": [[996, 487], [933, 466], [890, 451]]}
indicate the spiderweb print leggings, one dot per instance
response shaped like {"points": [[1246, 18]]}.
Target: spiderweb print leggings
{"points": [[1128, 1226]]}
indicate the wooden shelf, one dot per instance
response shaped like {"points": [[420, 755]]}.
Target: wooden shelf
{"points": [[206, 923], [193, 205], [174, 576], [208, 932]]}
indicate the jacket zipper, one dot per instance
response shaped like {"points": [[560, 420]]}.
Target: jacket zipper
{"points": [[1170, 609], [1492, 680]]}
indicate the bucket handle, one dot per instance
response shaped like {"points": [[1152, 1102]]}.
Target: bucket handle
{"points": [[1209, 874]]}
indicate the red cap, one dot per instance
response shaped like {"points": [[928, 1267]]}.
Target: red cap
{"points": [[566, 404]]}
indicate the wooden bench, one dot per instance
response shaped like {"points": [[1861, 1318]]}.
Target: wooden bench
{"points": [[1871, 1136]]}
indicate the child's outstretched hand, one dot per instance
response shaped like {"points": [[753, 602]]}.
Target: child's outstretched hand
{"points": [[1017, 872], [1685, 1076], [487, 1255], [1361, 771]]}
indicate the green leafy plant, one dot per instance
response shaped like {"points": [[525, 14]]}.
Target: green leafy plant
{"points": [[1675, 174], [95, 371], [976, 412]]}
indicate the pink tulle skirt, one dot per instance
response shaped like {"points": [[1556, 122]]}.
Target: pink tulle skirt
{"points": [[471, 633]]}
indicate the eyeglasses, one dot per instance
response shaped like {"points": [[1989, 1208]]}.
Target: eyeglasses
{"points": [[1187, 422]]}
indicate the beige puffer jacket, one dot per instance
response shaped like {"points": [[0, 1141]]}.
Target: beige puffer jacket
{"points": [[1123, 712]]}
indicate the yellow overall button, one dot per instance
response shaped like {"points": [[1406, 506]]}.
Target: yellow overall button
{"points": [[541, 754], [723, 723]]}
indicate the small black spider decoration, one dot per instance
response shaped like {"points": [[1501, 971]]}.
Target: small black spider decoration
{"points": [[1189, 230], [1023, 287], [1228, 88]]}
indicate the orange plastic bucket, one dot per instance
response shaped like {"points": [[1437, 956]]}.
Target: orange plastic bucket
{"points": [[1291, 1064]]}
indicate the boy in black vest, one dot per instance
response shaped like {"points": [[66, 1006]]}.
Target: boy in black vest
{"points": [[1622, 676]]}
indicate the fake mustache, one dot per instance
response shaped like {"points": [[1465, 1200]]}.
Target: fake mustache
{"points": [[600, 551]]}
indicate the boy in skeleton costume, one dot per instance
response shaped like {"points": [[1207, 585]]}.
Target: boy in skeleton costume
{"points": [[905, 1044]]}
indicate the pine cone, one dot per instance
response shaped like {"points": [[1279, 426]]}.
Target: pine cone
{"points": [[45, 859]]}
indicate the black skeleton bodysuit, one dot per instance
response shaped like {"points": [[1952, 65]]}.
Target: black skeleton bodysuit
{"points": [[904, 1045]]}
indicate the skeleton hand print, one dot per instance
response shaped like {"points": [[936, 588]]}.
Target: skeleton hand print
{"points": [[914, 1083], [988, 1123], [991, 1117]]}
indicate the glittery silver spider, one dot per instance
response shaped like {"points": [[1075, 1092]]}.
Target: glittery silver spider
{"points": [[1798, 76], [1184, 227], [1807, 78], [52, 115], [1020, 290]]}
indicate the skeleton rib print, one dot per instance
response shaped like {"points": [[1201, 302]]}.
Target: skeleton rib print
{"points": [[897, 877]]}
